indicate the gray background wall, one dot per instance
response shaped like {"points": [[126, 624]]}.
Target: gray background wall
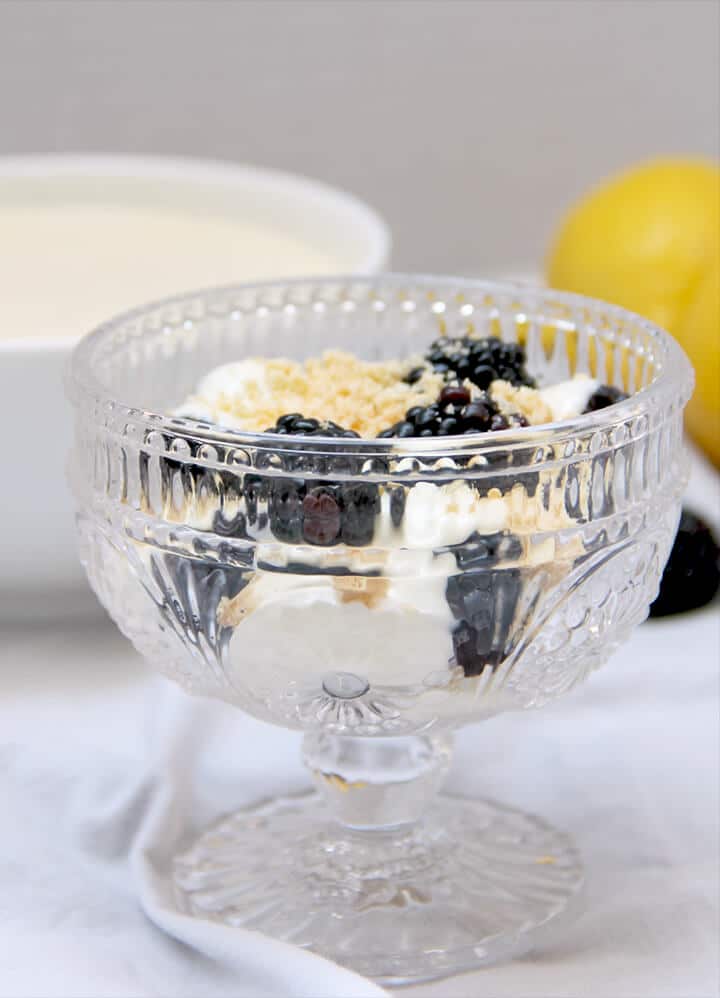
{"points": [[468, 124]]}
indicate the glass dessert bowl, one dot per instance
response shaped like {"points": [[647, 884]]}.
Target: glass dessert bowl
{"points": [[377, 593]]}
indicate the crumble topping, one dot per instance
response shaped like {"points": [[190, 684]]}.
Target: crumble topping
{"points": [[512, 399], [364, 396]]}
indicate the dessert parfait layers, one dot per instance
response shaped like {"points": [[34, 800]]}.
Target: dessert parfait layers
{"points": [[386, 551]]}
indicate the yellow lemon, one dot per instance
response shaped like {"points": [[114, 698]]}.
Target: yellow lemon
{"points": [[649, 239], [643, 239], [699, 333]]}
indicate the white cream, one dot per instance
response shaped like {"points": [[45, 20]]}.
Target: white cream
{"points": [[568, 399], [301, 627], [213, 399], [66, 266], [436, 516]]}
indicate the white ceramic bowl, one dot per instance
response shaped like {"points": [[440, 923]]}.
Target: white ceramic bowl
{"points": [[39, 565]]}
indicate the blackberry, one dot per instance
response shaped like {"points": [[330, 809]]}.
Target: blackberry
{"points": [[397, 504], [515, 420], [227, 492], [295, 424], [192, 590], [692, 575], [451, 415], [480, 360], [359, 505], [482, 550], [454, 395], [310, 509], [465, 641], [483, 602], [499, 422], [285, 508], [484, 375], [449, 426], [321, 517], [427, 418], [477, 415], [255, 490], [323, 513], [604, 396]]}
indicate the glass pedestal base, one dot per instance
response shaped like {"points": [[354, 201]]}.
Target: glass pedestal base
{"points": [[472, 883]]}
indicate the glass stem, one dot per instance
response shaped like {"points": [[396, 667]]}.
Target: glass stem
{"points": [[377, 783]]}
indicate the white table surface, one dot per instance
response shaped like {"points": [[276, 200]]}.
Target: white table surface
{"points": [[628, 764]]}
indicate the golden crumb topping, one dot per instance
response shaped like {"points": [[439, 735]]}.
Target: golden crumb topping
{"points": [[367, 397], [527, 401], [364, 396]]}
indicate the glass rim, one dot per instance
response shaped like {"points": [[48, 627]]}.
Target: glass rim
{"points": [[676, 376]]}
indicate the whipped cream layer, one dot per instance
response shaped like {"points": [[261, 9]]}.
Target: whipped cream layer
{"points": [[385, 629]]}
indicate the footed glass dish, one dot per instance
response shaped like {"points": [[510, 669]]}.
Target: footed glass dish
{"points": [[462, 577]]}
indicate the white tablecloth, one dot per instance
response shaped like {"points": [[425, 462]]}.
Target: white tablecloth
{"points": [[103, 765]]}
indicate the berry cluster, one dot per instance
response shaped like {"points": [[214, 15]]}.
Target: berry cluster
{"points": [[295, 424], [483, 600], [317, 512], [454, 413], [481, 361], [322, 513]]}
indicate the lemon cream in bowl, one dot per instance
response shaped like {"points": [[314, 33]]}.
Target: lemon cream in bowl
{"points": [[82, 237]]}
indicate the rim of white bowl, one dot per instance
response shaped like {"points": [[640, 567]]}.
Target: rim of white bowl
{"points": [[360, 216]]}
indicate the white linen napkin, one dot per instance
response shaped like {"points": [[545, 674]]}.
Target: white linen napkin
{"points": [[105, 768], [98, 783]]}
